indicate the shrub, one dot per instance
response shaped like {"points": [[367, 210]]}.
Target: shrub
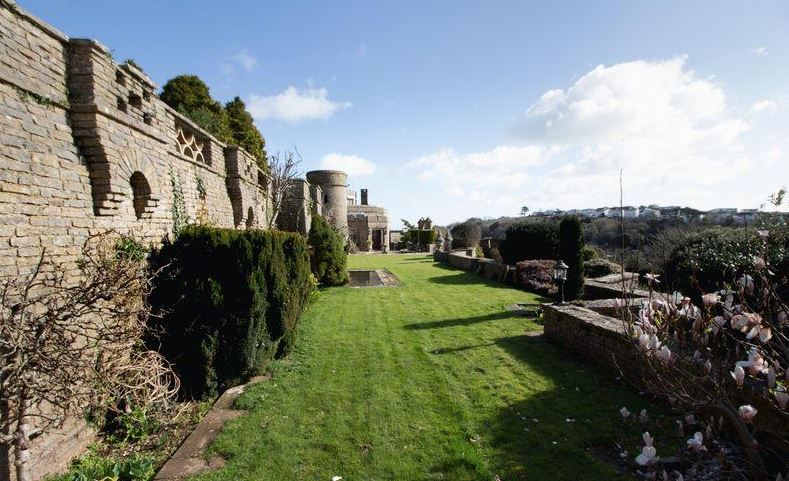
{"points": [[705, 261], [229, 301], [600, 267], [530, 240], [419, 239], [571, 244], [467, 234], [537, 276], [589, 253], [329, 259]]}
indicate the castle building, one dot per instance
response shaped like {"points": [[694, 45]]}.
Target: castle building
{"points": [[326, 193]]}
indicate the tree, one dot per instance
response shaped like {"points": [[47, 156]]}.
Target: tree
{"points": [[329, 257], [571, 244], [190, 96], [467, 234], [283, 168], [245, 133], [524, 210], [66, 345]]}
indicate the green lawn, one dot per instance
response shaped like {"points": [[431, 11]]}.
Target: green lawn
{"points": [[433, 380]]}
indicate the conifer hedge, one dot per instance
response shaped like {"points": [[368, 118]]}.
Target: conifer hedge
{"points": [[329, 259], [229, 301]]}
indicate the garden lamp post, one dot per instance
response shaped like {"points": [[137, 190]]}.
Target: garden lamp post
{"points": [[560, 275]]}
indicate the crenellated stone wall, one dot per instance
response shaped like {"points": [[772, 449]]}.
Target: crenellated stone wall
{"points": [[87, 146]]}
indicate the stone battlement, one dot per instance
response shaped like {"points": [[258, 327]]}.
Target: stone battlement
{"points": [[89, 146]]}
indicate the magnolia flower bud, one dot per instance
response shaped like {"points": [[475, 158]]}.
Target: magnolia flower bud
{"points": [[739, 375]]}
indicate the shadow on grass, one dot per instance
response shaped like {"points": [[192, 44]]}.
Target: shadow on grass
{"points": [[460, 321], [461, 278], [558, 430], [552, 433]]}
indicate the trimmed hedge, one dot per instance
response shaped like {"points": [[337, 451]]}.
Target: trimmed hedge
{"points": [[230, 301], [329, 259], [530, 240]]}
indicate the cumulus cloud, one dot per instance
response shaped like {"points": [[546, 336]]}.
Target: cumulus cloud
{"points": [[670, 129], [353, 165], [761, 51], [294, 105], [489, 178]]}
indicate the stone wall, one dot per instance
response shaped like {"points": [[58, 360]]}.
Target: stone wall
{"points": [[302, 201], [593, 336], [87, 146]]}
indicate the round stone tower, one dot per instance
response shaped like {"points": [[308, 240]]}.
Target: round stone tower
{"points": [[334, 187]]}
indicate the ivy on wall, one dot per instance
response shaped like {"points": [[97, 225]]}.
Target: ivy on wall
{"points": [[180, 216]]}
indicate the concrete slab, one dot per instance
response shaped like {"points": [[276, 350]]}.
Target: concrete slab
{"points": [[190, 459]]}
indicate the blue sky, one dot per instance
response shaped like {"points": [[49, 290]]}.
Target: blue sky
{"points": [[456, 109]]}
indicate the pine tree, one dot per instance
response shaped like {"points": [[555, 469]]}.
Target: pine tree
{"points": [[571, 244], [245, 134]]}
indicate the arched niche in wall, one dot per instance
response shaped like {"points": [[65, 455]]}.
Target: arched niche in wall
{"points": [[143, 182], [250, 218], [141, 195]]}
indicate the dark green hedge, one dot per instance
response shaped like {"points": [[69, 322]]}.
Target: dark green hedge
{"points": [[229, 301], [329, 259], [571, 245], [530, 240]]}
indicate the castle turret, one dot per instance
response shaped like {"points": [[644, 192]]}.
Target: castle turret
{"points": [[334, 187]]}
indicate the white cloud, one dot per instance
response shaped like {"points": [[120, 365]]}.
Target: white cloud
{"points": [[761, 51], [763, 106], [241, 59], [244, 59], [294, 105], [361, 51], [670, 129], [353, 165], [490, 178]]}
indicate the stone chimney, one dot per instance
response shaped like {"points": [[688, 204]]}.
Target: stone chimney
{"points": [[364, 197]]}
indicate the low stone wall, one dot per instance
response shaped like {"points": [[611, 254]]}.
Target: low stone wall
{"points": [[479, 265], [592, 336]]}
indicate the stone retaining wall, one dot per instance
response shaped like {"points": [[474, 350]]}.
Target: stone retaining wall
{"points": [[592, 336]]}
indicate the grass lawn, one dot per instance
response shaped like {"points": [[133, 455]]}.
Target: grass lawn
{"points": [[433, 380]]}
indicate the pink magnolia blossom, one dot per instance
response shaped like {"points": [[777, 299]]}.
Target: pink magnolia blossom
{"points": [[696, 443], [710, 300], [647, 457], [643, 417], [708, 366], [765, 334], [746, 282], [648, 439], [763, 234], [652, 278], [759, 263], [664, 354], [747, 412], [624, 412]]}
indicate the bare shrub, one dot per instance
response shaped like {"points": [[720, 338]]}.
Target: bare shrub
{"points": [[69, 342]]}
